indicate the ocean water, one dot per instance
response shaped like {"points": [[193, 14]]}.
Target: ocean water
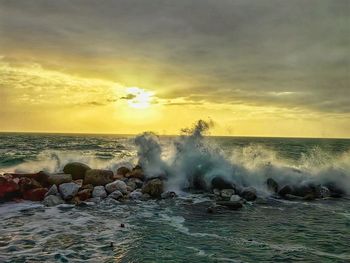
{"points": [[180, 230]]}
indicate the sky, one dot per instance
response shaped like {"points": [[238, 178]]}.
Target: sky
{"points": [[252, 67]]}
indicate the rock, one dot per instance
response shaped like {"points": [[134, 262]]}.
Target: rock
{"points": [[285, 190], [197, 182], [135, 183], [235, 198], [117, 185], [154, 188], [52, 191], [309, 197], [9, 187], [123, 171], [99, 191], [68, 190], [59, 178], [272, 185], [227, 193], [79, 182], [168, 195], [116, 195], [230, 204], [220, 183], [322, 192], [41, 177], [216, 192], [98, 177], [37, 194], [75, 201], [137, 172], [335, 190], [87, 186], [84, 194], [135, 195], [249, 193], [53, 200], [211, 210], [145, 197], [118, 177], [77, 170], [303, 190]]}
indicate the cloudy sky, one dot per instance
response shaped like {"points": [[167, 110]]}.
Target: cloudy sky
{"points": [[254, 67]]}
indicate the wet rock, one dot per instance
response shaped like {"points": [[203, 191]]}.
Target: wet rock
{"points": [[285, 190], [227, 193], [335, 190], [145, 197], [123, 171], [68, 190], [59, 178], [98, 177], [87, 186], [235, 198], [216, 192], [211, 210], [84, 194], [76, 169], [117, 185], [99, 191], [230, 204], [272, 185], [26, 184], [37, 194], [135, 195], [116, 195], [322, 192], [248, 193], [168, 195], [53, 200], [137, 172], [135, 183], [52, 191], [9, 187], [221, 183], [154, 188], [303, 190]]}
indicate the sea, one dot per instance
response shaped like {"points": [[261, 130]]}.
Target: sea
{"points": [[180, 229]]}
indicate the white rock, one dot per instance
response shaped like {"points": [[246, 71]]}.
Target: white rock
{"points": [[135, 195], [53, 200], [235, 198], [117, 185], [99, 191], [68, 190]]}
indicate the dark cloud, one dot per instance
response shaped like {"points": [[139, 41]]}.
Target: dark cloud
{"points": [[128, 97], [293, 54]]}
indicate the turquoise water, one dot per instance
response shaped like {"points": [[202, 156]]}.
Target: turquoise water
{"points": [[179, 230]]}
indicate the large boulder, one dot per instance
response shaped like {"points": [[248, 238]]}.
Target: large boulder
{"points": [[117, 185], [303, 190], [76, 169], [272, 185], [123, 171], [99, 191], [248, 193], [221, 183], [154, 188], [137, 172], [335, 190], [98, 177], [59, 178], [37, 194], [53, 200], [68, 190], [285, 190], [9, 187]]}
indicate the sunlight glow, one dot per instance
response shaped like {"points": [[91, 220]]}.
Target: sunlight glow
{"points": [[139, 98]]}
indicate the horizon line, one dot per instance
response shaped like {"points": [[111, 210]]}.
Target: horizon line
{"points": [[172, 135]]}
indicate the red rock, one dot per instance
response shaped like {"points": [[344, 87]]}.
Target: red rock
{"points": [[8, 186], [40, 177], [84, 194], [37, 194]]}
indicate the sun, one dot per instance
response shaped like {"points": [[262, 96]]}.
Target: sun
{"points": [[139, 98]]}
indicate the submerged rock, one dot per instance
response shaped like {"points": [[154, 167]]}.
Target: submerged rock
{"points": [[117, 185], [154, 188], [98, 177], [99, 191], [53, 200], [68, 190], [272, 185], [221, 183], [59, 178], [248, 193], [76, 169], [233, 205], [168, 195]]}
